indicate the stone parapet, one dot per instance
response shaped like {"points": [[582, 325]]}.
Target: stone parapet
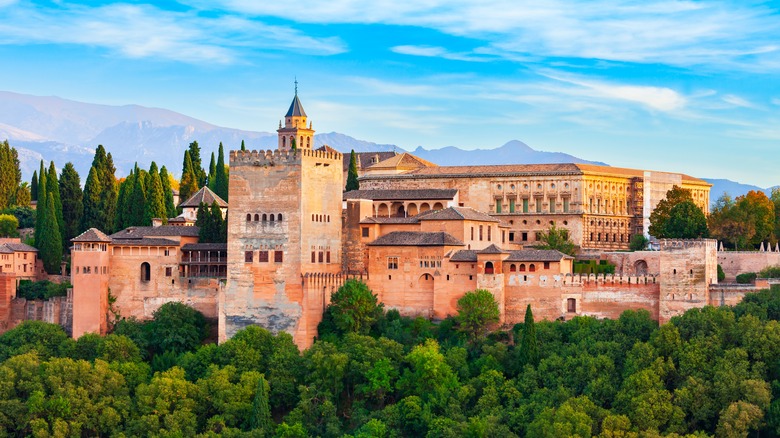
{"points": [[279, 157]]}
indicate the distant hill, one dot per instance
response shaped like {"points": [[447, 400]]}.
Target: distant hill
{"points": [[514, 151], [733, 188]]}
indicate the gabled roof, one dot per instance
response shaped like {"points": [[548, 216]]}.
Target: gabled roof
{"points": [[146, 241], [326, 148], [206, 196], [464, 255], [161, 231], [296, 109], [417, 238], [20, 247], [458, 214], [389, 220], [91, 235], [367, 159], [404, 161], [401, 195], [492, 249], [536, 255]]}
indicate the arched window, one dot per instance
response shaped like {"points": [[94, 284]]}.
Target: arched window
{"points": [[522, 267], [284, 142], [488, 267], [248, 217], [531, 268], [512, 268], [308, 142], [279, 217], [265, 217], [146, 271], [271, 217]]}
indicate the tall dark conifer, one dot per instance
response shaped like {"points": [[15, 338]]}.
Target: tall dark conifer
{"points": [[110, 193], [53, 191], [137, 200], [352, 175], [529, 348], [243, 146], [40, 208], [221, 188], [122, 200], [34, 186], [197, 164], [155, 202], [93, 216], [72, 202], [189, 183], [165, 179], [50, 246], [212, 182], [261, 410]]}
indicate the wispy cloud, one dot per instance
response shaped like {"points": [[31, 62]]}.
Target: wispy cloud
{"points": [[737, 101], [775, 101], [673, 32], [441, 52], [143, 31]]}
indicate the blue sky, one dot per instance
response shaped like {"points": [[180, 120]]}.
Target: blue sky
{"points": [[687, 86]]}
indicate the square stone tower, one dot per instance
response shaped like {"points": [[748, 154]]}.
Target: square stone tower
{"points": [[284, 222], [687, 269]]}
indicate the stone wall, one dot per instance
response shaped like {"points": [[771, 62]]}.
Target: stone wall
{"points": [[687, 269], [740, 262]]}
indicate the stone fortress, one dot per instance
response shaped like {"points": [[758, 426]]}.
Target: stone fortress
{"points": [[420, 235]]}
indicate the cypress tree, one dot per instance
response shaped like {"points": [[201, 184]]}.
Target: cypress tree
{"points": [[40, 209], [137, 200], [34, 186], [243, 146], [22, 196], [293, 145], [197, 164], [53, 192], [125, 189], [93, 216], [529, 348], [352, 175], [189, 184], [203, 222], [165, 179], [261, 411], [50, 247], [217, 224], [155, 202], [221, 188], [72, 201], [212, 182], [10, 174], [109, 194]]}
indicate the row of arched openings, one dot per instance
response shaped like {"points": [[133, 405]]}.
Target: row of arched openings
{"points": [[522, 268], [265, 217]]}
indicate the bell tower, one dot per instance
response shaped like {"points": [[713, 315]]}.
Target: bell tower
{"points": [[295, 130]]}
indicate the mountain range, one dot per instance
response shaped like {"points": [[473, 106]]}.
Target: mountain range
{"points": [[52, 128]]}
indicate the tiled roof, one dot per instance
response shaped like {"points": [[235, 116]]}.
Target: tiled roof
{"points": [[206, 196], [389, 220], [536, 255], [5, 250], [492, 249], [367, 159], [91, 235], [457, 214], [296, 109], [205, 247], [146, 241], [20, 247], [621, 171], [464, 255], [161, 231], [403, 161], [405, 195], [416, 238]]}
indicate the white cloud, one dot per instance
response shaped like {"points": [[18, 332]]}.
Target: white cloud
{"points": [[682, 33], [141, 31], [737, 101], [440, 52], [775, 101]]}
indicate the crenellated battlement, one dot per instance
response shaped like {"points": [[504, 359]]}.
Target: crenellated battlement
{"points": [[678, 244], [567, 280], [279, 157]]}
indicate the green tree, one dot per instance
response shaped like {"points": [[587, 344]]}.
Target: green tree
{"points": [[212, 173], [176, 327], [660, 215], [10, 174], [72, 201], [686, 221], [40, 209], [221, 178], [197, 164], [529, 346], [155, 202], [53, 192], [108, 185], [189, 180], [22, 198], [125, 191], [354, 308], [218, 228], [744, 222], [477, 313], [243, 146], [8, 225], [165, 179], [352, 175], [34, 186], [93, 216], [136, 205], [50, 245], [261, 411], [557, 239], [638, 242]]}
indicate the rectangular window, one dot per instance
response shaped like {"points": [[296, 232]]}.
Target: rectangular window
{"points": [[365, 232], [565, 205], [320, 257], [472, 233], [480, 233], [525, 237], [498, 206], [546, 265], [538, 202], [248, 256], [489, 228], [536, 236], [392, 263], [503, 236], [511, 236], [327, 257], [552, 205], [278, 257], [313, 256], [168, 271], [262, 256], [525, 205], [512, 205]]}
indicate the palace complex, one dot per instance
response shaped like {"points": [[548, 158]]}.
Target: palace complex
{"points": [[420, 235]]}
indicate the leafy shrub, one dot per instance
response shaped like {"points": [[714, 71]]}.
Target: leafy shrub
{"points": [[770, 272], [8, 225], [746, 278], [721, 274], [25, 215], [41, 290], [638, 242], [593, 267]]}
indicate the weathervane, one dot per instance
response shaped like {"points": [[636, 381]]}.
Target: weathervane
{"points": [[296, 85]]}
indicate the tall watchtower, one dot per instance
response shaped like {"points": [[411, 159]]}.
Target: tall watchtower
{"points": [[284, 221], [295, 130]]}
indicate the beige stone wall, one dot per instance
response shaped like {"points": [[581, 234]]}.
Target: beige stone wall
{"points": [[740, 262], [687, 269], [635, 262], [90, 278]]}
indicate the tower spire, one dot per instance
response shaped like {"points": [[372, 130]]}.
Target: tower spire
{"points": [[296, 85]]}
